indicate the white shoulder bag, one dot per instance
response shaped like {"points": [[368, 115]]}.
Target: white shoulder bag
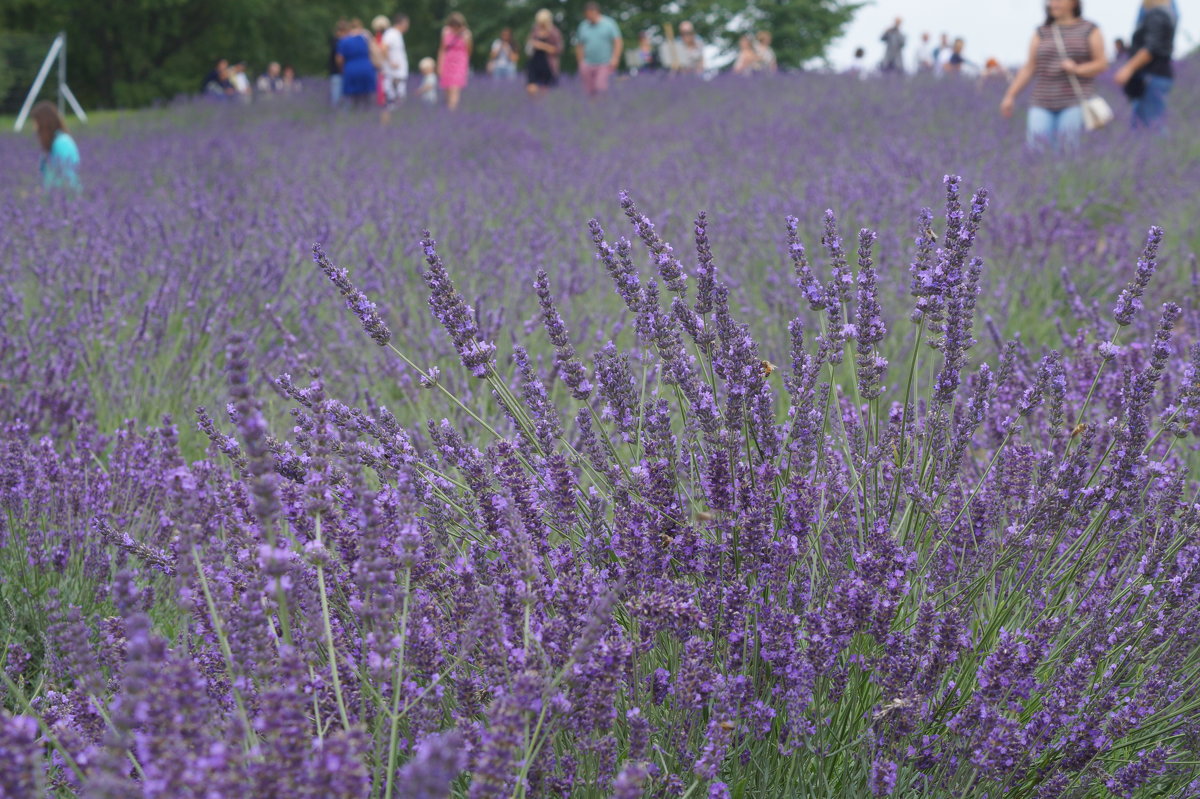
{"points": [[1096, 111]]}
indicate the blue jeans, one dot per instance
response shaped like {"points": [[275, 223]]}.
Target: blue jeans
{"points": [[335, 90], [1058, 129], [1152, 105]]}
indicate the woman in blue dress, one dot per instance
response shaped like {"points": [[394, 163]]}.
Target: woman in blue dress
{"points": [[60, 157], [357, 57]]}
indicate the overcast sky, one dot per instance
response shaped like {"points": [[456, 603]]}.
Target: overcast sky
{"points": [[999, 28]]}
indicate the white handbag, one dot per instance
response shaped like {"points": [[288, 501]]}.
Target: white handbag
{"points": [[1096, 111]]}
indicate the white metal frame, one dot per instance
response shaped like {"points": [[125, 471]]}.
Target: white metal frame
{"points": [[58, 51]]}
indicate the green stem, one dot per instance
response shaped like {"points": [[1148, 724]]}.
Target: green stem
{"points": [[251, 741], [332, 650], [393, 735]]}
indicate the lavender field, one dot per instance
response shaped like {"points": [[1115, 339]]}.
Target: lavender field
{"points": [[802, 437]]}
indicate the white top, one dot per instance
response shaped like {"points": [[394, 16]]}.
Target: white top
{"points": [[501, 54], [240, 82], [429, 90], [924, 57], [943, 58], [678, 55], [395, 56]]}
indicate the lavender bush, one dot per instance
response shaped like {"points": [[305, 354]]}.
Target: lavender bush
{"points": [[887, 548], [197, 220]]}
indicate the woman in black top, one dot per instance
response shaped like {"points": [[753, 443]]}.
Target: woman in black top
{"points": [[1147, 76], [544, 48]]}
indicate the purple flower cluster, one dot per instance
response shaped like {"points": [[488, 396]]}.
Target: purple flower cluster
{"points": [[642, 560]]}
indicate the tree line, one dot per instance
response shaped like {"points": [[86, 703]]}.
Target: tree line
{"points": [[126, 53]]}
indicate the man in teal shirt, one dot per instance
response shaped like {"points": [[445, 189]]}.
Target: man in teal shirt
{"points": [[598, 47]]}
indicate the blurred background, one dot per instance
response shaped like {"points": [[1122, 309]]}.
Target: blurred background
{"points": [[135, 54]]}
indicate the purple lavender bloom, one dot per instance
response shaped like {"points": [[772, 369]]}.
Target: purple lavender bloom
{"points": [[356, 301], [456, 316], [923, 283], [806, 280], [1127, 779], [618, 389], [21, 764], [260, 462], [706, 272], [668, 266], [631, 781], [882, 781], [1130, 301], [570, 367], [868, 323], [618, 265], [842, 279], [436, 763]]}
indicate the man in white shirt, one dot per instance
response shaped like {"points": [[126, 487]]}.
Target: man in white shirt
{"points": [[942, 55], [395, 66], [924, 60], [685, 55], [241, 83]]}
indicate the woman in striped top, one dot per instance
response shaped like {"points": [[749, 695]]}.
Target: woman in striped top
{"points": [[1055, 116]]}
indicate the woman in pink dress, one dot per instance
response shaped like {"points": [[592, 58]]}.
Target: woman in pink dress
{"points": [[454, 58], [454, 55]]}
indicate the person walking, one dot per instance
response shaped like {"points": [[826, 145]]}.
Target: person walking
{"points": [[428, 89], [290, 83], [893, 55], [395, 67], [689, 52], [59, 164], [271, 81], [767, 62], [747, 57], [544, 48], [1147, 76], [1056, 115], [241, 83], [645, 55], [454, 58], [379, 26], [335, 65], [502, 59], [942, 54], [216, 83], [926, 54], [858, 68], [957, 63], [598, 47], [357, 56]]}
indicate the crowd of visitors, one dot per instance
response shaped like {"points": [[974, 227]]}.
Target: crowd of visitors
{"points": [[598, 43], [230, 81], [1066, 56]]}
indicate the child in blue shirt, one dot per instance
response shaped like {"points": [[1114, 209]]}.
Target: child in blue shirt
{"points": [[60, 157]]}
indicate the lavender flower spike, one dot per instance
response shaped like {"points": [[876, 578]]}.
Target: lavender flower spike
{"points": [[356, 301], [1130, 300], [455, 315], [664, 256], [564, 354]]}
